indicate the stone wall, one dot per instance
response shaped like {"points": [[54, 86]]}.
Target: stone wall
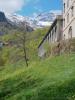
{"points": [[62, 47], [54, 35]]}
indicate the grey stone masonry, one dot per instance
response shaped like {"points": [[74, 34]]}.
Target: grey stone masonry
{"points": [[55, 34]]}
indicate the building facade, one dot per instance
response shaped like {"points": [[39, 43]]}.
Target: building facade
{"points": [[53, 35], [68, 19]]}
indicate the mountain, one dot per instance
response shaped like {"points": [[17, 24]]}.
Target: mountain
{"points": [[19, 21], [8, 25], [37, 21], [2, 17], [9, 22], [4, 22], [5, 25], [43, 19]]}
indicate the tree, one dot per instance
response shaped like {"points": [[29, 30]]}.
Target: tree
{"points": [[22, 41]]}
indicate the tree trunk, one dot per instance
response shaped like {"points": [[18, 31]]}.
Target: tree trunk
{"points": [[24, 48]]}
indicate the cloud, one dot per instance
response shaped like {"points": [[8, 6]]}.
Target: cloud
{"points": [[11, 6], [39, 9], [36, 1], [34, 14], [57, 12]]}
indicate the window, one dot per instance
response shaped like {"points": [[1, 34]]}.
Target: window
{"points": [[70, 32], [64, 7], [64, 22], [67, 17], [67, 3], [72, 11]]}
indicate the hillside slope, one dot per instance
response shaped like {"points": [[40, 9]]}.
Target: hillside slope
{"points": [[50, 79], [14, 49], [44, 79]]}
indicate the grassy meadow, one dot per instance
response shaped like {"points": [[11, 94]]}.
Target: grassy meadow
{"points": [[52, 78]]}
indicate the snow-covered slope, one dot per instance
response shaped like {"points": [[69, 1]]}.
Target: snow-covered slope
{"points": [[15, 17], [45, 19], [38, 21]]}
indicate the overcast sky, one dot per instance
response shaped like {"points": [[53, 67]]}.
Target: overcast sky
{"points": [[30, 7]]}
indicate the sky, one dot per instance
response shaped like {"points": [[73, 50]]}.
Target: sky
{"points": [[30, 7]]}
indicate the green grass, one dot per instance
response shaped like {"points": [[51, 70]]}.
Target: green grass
{"points": [[50, 79]]}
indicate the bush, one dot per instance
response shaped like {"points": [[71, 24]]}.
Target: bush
{"points": [[2, 61]]}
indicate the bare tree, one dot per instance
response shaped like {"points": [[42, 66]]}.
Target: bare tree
{"points": [[24, 46], [22, 41]]}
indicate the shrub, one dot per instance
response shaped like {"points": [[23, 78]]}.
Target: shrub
{"points": [[2, 61]]}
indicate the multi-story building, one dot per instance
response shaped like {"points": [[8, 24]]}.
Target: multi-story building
{"points": [[53, 35], [68, 19]]}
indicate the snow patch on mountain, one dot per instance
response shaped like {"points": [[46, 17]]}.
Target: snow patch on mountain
{"points": [[38, 21], [15, 18]]}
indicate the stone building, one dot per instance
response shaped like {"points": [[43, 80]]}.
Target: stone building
{"points": [[53, 35], [68, 19]]}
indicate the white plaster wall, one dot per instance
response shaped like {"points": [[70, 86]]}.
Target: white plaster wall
{"points": [[71, 19]]}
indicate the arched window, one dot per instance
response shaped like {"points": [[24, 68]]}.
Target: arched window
{"points": [[70, 32], [67, 3]]}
